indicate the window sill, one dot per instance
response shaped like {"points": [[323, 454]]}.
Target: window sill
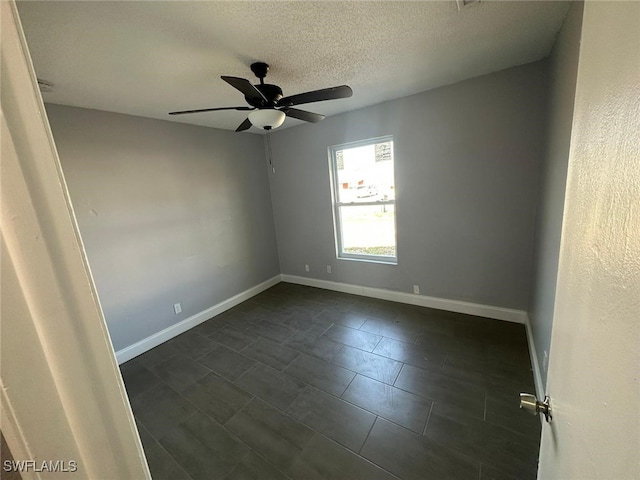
{"points": [[383, 261]]}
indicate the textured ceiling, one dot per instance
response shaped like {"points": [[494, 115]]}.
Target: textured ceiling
{"points": [[149, 58]]}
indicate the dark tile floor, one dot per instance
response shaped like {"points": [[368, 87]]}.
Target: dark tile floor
{"points": [[303, 383]]}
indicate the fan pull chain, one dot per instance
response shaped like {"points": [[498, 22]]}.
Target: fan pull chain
{"points": [[270, 154]]}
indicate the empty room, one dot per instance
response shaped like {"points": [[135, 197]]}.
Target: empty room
{"points": [[320, 240]]}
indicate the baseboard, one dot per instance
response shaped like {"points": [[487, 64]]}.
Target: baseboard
{"points": [[174, 330], [533, 353], [458, 306]]}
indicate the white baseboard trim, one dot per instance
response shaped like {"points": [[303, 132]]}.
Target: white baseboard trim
{"points": [[458, 306], [176, 329], [537, 373]]}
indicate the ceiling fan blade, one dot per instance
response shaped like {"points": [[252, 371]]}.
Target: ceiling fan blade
{"points": [[210, 110], [343, 91], [247, 88], [303, 115], [246, 125]]}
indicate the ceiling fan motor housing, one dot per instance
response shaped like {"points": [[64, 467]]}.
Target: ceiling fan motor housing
{"points": [[272, 93]]}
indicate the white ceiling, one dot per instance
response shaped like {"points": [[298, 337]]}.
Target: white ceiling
{"points": [[152, 57]]}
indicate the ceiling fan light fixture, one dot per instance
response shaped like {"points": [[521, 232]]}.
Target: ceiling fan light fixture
{"points": [[267, 118]]}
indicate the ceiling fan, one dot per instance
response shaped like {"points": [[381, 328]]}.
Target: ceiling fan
{"points": [[268, 106]]}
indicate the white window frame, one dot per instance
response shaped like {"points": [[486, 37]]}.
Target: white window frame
{"points": [[337, 220]]}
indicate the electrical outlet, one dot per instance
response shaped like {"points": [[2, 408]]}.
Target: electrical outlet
{"points": [[545, 361], [177, 308], [306, 267], [416, 289], [328, 268]]}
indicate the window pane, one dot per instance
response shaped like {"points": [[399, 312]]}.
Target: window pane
{"points": [[368, 230], [365, 173]]}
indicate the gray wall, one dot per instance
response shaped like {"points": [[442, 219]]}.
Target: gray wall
{"points": [[168, 213], [467, 164], [563, 65]]}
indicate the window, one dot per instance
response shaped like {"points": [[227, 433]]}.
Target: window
{"points": [[364, 200]]}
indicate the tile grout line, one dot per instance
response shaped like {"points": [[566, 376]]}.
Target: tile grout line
{"points": [[336, 354], [165, 450], [240, 440], [286, 413], [395, 379], [356, 454], [444, 363], [347, 388], [378, 343], [398, 376], [359, 452], [426, 424], [484, 413]]}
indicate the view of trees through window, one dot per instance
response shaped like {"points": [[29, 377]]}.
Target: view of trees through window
{"points": [[364, 193]]}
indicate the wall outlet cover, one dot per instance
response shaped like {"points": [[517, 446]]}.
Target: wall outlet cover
{"points": [[328, 268], [177, 308], [416, 289], [306, 268]]}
